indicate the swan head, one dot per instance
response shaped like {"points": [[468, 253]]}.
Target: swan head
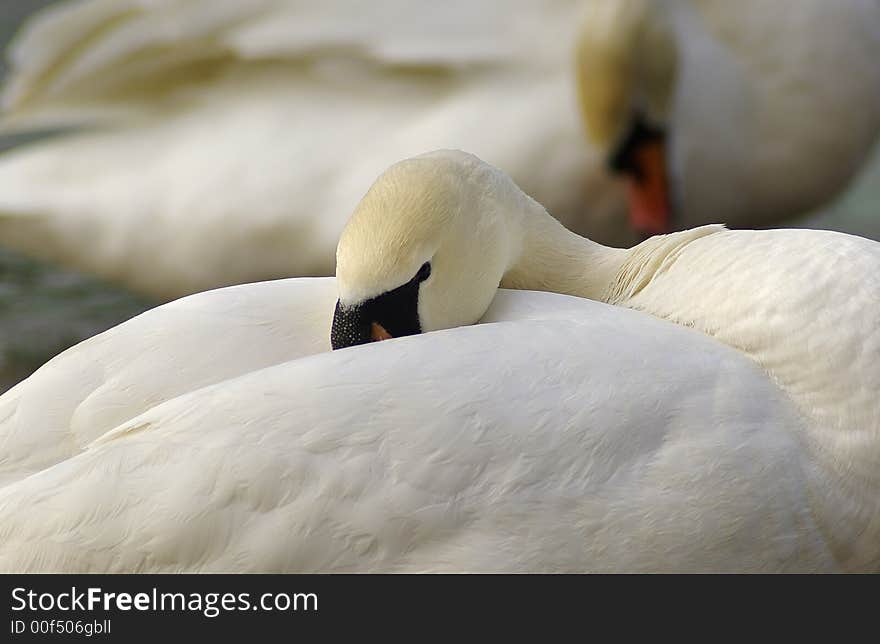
{"points": [[626, 72], [425, 249]]}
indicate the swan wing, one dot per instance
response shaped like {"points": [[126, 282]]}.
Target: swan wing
{"points": [[611, 441]]}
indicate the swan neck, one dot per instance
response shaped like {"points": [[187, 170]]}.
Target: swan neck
{"points": [[552, 258]]}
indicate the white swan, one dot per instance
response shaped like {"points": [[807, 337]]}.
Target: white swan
{"points": [[570, 435], [242, 118], [802, 304], [767, 109], [232, 140]]}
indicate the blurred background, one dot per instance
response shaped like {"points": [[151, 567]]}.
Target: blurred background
{"points": [[44, 308], [211, 164]]}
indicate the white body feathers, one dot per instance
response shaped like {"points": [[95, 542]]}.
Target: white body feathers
{"points": [[232, 140], [567, 435]]}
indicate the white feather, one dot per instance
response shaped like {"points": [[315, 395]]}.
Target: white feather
{"points": [[563, 435], [770, 108], [232, 140]]}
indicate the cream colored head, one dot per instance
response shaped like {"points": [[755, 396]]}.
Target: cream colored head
{"points": [[444, 209], [626, 65]]}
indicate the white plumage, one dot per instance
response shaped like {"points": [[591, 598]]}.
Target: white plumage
{"points": [[560, 434], [770, 108], [173, 349], [570, 436], [232, 140]]}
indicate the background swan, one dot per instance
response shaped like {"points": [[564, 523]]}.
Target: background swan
{"points": [[232, 140], [257, 126], [767, 109]]}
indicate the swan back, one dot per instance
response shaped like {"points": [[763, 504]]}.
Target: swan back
{"points": [[384, 457], [158, 355], [805, 306]]}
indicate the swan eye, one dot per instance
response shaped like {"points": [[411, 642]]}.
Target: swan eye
{"points": [[424, 272]]}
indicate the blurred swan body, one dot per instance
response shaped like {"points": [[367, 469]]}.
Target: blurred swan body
{"points": [[213, 434], [568, 435], [768, 109], [228, 141]]}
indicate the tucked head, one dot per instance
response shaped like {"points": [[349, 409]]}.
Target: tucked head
{"points": [[424, 250], [626, 70]]}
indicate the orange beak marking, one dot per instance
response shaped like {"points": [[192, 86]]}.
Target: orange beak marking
{"points": [[648, 190], [378, 333]]}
